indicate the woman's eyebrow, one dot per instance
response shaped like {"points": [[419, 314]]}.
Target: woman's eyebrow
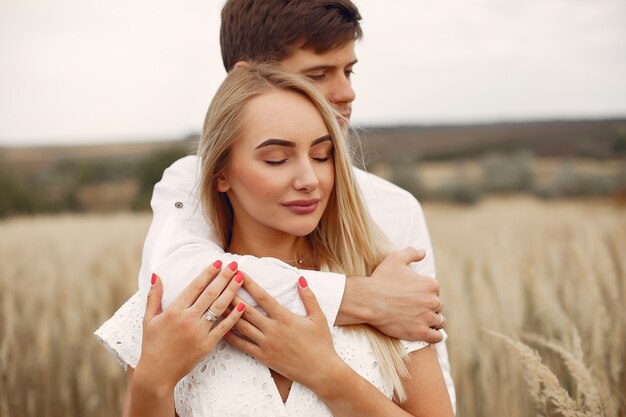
{"points": [[279, 142], [283, 142], [321, 139]]}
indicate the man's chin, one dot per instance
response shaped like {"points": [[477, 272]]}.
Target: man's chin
{"points": [[344, 123]]}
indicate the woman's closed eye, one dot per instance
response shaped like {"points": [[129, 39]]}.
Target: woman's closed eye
{"points": [[276, 162], [321, 158]]}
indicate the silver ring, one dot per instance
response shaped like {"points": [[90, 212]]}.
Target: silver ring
{"points": [[438, 327], [210, 316]]}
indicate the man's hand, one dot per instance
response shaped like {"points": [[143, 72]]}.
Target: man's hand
{"points": [[395, 299]]}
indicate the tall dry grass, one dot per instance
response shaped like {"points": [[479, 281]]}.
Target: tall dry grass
{"points": [[544, 273], [59, 278], [534, 297]]}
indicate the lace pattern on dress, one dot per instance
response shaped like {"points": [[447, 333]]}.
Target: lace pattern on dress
{"points": [[121, 334]]}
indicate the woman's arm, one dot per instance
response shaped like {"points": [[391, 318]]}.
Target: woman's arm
{"points": [[301, 349], [153, 404], [175, 340], [348, 394]]}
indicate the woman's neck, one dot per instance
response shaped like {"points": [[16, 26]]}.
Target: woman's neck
{"points": [[270, 243]]}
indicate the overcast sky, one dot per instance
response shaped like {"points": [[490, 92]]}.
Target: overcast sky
{"points": [[86, 71]]}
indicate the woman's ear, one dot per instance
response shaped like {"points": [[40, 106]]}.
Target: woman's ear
{"points": [[222, 183]]}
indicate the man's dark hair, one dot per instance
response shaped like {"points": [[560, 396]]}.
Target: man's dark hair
{"points": [[270, 30]]}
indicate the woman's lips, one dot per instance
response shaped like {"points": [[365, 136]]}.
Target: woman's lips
{"points": [[302, 206]]}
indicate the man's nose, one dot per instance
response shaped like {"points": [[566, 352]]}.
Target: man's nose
{"points": [[341, 91]]}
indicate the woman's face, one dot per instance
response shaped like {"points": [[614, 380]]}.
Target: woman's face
{"points": [[281, 170]]}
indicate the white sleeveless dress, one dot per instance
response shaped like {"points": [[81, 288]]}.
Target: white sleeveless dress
{"points": [[228, 382]]}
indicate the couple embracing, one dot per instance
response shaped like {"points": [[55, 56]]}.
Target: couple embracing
{"points": [[272, 279]]}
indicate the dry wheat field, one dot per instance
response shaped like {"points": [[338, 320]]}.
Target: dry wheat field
{"points": [[534, 294]]}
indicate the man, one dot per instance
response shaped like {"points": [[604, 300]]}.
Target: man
{"points": [[315, 38]]}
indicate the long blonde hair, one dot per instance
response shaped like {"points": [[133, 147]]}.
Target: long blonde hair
{"points": [[346, 240]]}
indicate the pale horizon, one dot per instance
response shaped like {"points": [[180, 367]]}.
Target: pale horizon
{"points": [[84, 72]]}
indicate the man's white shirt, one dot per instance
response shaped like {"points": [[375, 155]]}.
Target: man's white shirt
{"points": [[180, 244]]}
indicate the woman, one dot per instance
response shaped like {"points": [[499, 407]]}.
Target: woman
{"points": [[277, 182]]}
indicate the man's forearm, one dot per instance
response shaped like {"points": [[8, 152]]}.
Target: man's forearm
{"points": [[354, 308], [396, 299]]}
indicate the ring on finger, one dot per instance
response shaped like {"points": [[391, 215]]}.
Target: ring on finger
{"points": [[210, 316], [441, 319]]}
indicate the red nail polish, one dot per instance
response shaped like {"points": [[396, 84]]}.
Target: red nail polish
{"points": [[240, 307], [232, 266], [238, 277], [153, 279], [217, 264], [303, 282]]}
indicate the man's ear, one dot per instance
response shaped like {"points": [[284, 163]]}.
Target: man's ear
{"points": [[241, 64], [222, 183]]}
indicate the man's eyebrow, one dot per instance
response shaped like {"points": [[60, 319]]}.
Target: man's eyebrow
{"points": [[283, 142], [323, 67]]}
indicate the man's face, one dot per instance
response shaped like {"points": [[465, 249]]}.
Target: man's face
{"points": [[330, 71]]}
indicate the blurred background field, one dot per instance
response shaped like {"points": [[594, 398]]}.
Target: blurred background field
{"points": [[506, 119], [526, 268], [450, 163]]}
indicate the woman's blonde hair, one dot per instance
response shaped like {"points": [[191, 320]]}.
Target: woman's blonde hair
{"points": [[346, 239]]}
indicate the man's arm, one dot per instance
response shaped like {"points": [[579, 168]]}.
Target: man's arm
{"points": [[401, 298], [180, 244], [396, 299]]}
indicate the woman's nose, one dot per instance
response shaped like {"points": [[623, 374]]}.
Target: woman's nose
{"points": [[305, 178]]}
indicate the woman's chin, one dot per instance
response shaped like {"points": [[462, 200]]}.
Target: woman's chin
{"points": [[301, 230]]}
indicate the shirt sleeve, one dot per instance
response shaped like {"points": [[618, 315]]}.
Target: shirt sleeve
{"points": [[180, 244], [122, 333], [419, 238]]}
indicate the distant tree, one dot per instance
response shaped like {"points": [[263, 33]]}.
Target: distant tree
{"points": [[458, 187], [619, 143], [509, 172], [15, 196], [404, 173]]}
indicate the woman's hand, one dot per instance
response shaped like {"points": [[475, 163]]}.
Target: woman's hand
{"points": [[299, 348], [175, 340]]}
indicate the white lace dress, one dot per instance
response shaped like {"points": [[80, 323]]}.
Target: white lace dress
{"points": [[228, 382]]}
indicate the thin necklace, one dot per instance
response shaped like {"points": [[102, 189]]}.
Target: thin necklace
{"points": [[297, 259], [299, 262]]}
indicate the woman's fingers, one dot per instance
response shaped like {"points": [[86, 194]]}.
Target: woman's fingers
{"points": [[263, 299], [225, 325], [255, 317], [243, 345], [311, 305], [250, 331], [191, 293], [212, 291], [153, 303], [221, 303]]}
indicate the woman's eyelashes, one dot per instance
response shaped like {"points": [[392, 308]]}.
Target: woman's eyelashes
{"points": [[276, 162]]}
